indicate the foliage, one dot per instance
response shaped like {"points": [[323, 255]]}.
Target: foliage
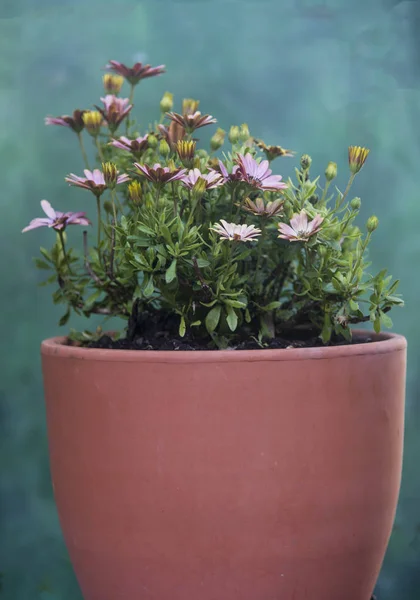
{"points": [[224, 246]]}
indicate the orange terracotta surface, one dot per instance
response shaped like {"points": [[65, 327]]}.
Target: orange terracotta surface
{"points": [[226, 475]]}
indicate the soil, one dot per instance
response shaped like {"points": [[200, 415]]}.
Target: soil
{"points": [[147, 331]]}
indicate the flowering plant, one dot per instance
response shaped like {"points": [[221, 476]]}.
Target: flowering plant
{"points": [[216, 251]]}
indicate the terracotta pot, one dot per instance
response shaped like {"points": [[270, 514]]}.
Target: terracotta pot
{"points": [[223, 475]]}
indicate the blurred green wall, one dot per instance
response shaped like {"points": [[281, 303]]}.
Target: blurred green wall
{"points": [[312, 75]]}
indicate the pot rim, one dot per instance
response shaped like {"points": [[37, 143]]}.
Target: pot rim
{"points": [[383, 343]]}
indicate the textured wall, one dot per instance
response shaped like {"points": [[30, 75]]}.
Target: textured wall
{"points": [[312, 75]]}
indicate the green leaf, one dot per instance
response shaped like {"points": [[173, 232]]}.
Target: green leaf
{"points": [[213, 318], [196, 324], [377, 325], [90, 301], [272, 305], [170, 274], [166, 234], [182, 327], [247, 316], [353, 305], [386, 321], [149, 289], [45, 254], [234, 303], [64, 319], [232, 318], [326, 329], [41, 264], [145, 230]]}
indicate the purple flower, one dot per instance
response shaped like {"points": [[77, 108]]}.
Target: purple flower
{"points": [[299, 229], [93, 181], [212, 179], [258, 175], [237, 233], [135, 73], [74, 122], [193, 121], [233, 177], [57, 220], [115, 110], [160, 175], [172, 134], [136, 146]]}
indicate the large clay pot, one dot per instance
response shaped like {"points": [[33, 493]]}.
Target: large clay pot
{"points": [[226, 475]]}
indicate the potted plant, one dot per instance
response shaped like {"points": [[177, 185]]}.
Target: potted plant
{"points": [[238, 439]]}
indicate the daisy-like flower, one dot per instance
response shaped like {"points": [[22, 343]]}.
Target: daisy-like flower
{"points": [[115, 110], [191, 121], [233, 177], [263, 209], [239, 233], [74, 122], [272, 152], [357, 158], [258, 175], [136, 146], [300, 230], [186, 152], [212, 179], [94, 181], [135, 73], [172, 134], [93, 122], [57, 220], [160, 175]]}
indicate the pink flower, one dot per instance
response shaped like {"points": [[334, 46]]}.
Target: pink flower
{"points": [[160, 175], [232, 177], [212, 179], [240, 233], [135, 73], [93, 181], [136, 146], [57, 220], [115, 110], [193, 121], [258, 175], [74, 122], [299, 229]]}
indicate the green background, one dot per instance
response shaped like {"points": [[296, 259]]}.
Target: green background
{"points": [[312, 75]]}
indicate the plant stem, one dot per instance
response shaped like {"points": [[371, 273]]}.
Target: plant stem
{"points": [[98, 146], [113, 205], [63, 245], [175, 200], [260, 248], [324, 193], [131, 97], [346, 191], [98, 209], [83, 150]]}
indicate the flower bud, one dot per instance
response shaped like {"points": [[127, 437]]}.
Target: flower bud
{"points": [[135, 192], [372, 223], [167, 102], [93, 121], [152, 141], [189, 106], [186, 152], [357, 158], [108, 207], [217, 140], [164, 149], [355, 204], [199, 188], [112, 83], [305, 161], [331, 171], [244, 134], [110, 172], [234, 134]]}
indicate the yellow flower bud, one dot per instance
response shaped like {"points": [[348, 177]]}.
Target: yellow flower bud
{"points": [[234, 134], [372, 223], [357, 158], [244, 134], [189, 106], [167, 102], [135, 192], [217, 140], [112, 83], [93, 121], [110, 172], [199, 188], [186, 152], [331, 171]]}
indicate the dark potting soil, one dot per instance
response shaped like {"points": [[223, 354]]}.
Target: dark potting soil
{"points": [[148, 331]]}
